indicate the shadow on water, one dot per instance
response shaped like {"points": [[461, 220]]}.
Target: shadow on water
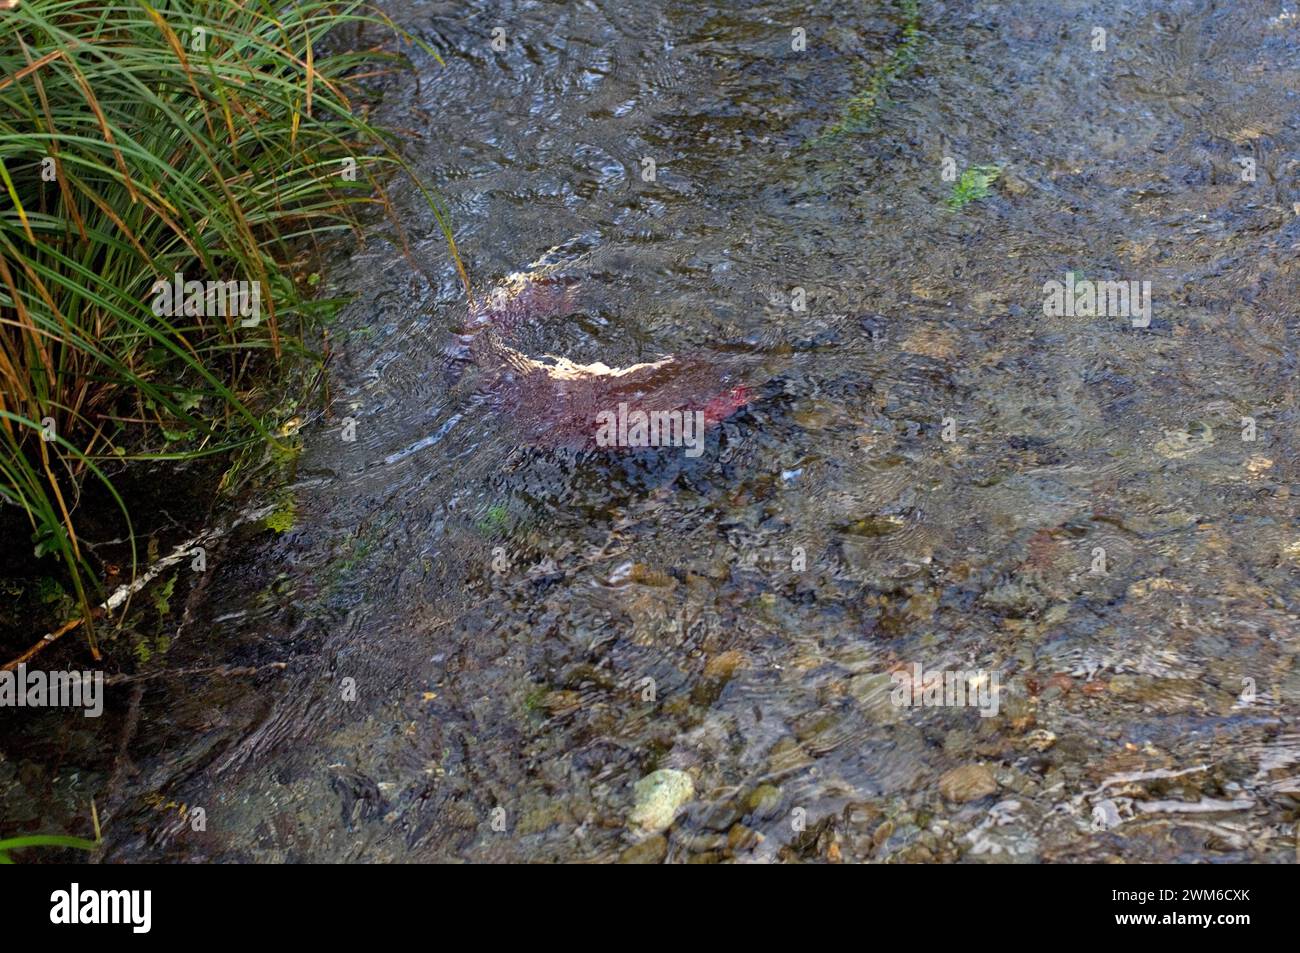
{"points": [[931, 469]]}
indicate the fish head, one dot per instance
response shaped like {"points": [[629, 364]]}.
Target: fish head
{"points": [[520, 300]]}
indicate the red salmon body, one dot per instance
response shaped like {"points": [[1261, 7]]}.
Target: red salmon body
{"points": [[556, 403]]}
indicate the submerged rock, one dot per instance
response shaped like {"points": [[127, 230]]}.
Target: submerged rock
{"points": [[657, 798], [1181, 443], [1018, 597], [763, 800], [652, 850], [970, 782]]}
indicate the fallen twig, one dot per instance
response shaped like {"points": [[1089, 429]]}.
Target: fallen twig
{"points": [[222, 670], [126, 590]]}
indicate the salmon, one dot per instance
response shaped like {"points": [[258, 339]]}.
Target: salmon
{"points": [[554, 402]]}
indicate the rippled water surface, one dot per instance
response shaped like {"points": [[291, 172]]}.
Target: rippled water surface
{"points": [[929, 471]]}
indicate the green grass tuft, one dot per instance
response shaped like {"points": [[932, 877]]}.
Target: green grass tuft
{"points": [[214, 138]]}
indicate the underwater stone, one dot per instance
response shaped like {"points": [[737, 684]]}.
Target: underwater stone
{"points": [[658, 796]]}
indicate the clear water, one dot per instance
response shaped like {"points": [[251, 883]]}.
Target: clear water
{"points": [[1121, 729]]}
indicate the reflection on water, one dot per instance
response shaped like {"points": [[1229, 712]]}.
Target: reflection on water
{"points": [[473, 647]]}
